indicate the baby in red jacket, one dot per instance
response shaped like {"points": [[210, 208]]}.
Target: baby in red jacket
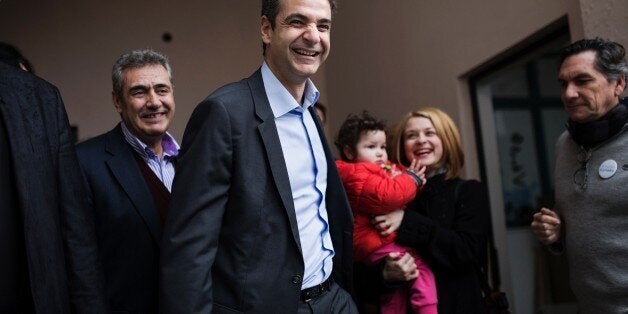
{"points": [[375, 187]]}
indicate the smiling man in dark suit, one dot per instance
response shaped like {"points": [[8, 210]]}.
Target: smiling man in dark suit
{"points": [[259, 221], [48, 257], [128, 172]]}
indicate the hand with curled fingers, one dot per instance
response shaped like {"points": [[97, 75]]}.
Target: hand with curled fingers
{"points": [[546, 226], [389, 223], [418, 170], [399, 267]]}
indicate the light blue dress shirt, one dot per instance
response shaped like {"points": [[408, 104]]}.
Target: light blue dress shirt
{"points": [[307, 169], [164, 167]]}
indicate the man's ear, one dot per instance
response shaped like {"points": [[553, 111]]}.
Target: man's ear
{"points": [[266, 30], [116, 102], [621, 85], [348, 152]]}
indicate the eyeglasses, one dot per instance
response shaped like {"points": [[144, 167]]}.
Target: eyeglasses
{"points": [[581, 175]]}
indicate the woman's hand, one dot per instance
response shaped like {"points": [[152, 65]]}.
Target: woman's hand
{"points": [[399, 267], [389, 223]]}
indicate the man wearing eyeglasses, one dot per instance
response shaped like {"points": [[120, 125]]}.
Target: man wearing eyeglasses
{"points": [[590, 218]]}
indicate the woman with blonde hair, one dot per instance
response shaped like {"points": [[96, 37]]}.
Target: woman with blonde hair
{"points": [[448, 222]]}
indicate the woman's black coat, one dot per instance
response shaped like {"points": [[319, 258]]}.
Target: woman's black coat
{"points": [[447, 224]]}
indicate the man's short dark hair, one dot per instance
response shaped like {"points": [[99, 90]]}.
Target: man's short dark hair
{"points": [[270, 9], [609, 58], [351, 130], [10, 55], [137, 59]]}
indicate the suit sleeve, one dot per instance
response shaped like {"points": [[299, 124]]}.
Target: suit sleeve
{"points": [[199, 199], [456, 249], [84, 270]]}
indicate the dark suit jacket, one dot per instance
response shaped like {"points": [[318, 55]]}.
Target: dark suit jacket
{"points": [[127, 223], [58, 227], [231, 240]]}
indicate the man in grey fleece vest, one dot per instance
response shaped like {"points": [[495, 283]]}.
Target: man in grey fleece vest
{"points": [[590, 221]]}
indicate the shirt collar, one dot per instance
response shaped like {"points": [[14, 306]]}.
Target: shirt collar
{"points": [[169, 144], [281, 101]]}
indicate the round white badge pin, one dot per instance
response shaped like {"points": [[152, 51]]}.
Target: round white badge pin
{"points": [[607, 169]]}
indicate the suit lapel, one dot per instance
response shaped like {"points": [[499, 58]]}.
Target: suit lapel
{"points": [[125, 170], [272, 145]]}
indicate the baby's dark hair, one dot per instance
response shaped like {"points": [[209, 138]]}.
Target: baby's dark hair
{"points": [[352, 128]]}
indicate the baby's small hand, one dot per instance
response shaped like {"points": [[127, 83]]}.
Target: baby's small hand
{"points": [[418, 170], [394, 171]]}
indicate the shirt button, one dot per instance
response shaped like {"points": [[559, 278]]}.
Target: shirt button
{"points": [[296, 279]]}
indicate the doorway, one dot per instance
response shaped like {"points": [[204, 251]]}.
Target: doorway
{"points": [[519, 116]]}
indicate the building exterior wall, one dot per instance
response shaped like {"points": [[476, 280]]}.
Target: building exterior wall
{"points": [[607, 19], [74, 44]]}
